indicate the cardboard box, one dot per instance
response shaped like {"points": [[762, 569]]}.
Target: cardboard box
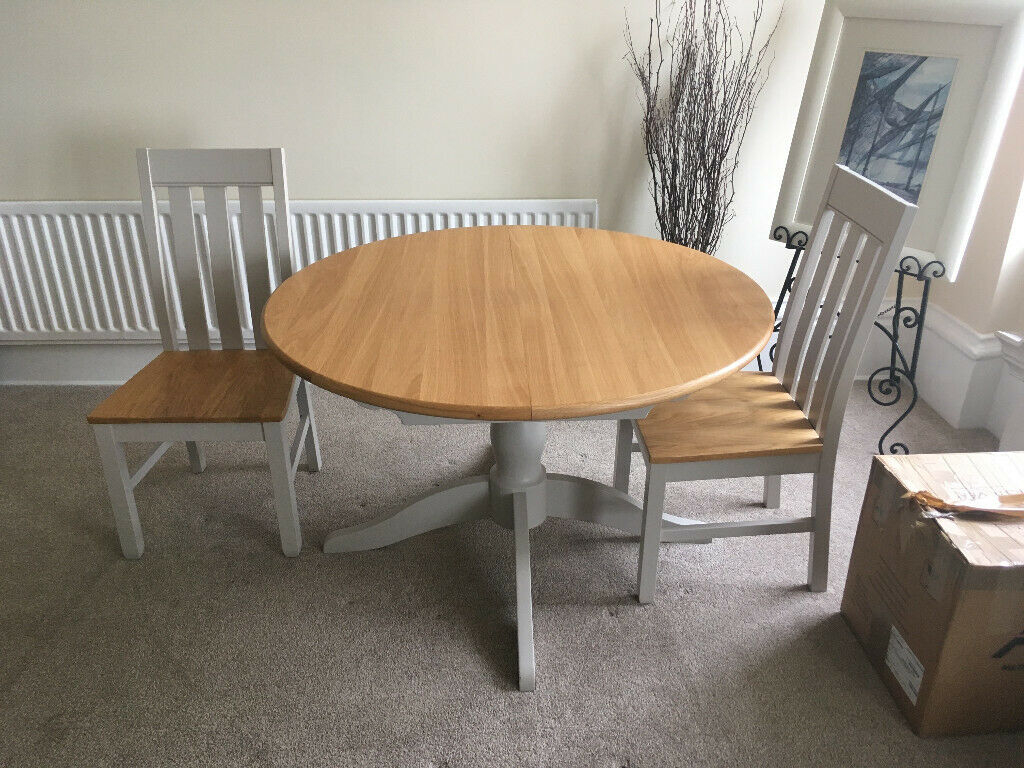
{"points": [[938, 602]]}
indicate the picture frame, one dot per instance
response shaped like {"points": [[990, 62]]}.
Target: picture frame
{"points": [[985, 37]]}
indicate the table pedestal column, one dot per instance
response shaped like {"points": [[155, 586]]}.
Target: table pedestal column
{"points": [[518, 490], [517, 494]]}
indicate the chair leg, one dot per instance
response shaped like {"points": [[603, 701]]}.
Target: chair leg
{"points": [[196, 456], [278, 456], [772, 491], [314, 459], [650, 532], [817, 567], [623, 455], [122, 498]]}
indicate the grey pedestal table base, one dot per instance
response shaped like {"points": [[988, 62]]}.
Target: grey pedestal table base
{"points": [[517, 494]]}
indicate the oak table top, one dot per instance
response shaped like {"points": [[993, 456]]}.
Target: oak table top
{"points": [[517, 323]]}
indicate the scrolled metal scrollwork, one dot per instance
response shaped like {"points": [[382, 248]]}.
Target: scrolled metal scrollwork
{"points": [[911, 317], [911, 266], [793, 240], [885, 387]]}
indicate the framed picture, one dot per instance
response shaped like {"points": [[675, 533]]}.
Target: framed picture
{"points": [[914, 95]]}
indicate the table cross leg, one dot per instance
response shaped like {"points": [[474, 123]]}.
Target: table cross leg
{"points": [[524, 593], [458, 502]]}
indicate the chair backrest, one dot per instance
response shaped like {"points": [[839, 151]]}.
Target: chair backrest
{"points": [[855, 245], [241, 272]]}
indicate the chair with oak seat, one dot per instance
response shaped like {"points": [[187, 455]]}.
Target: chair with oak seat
{"points": [[786, 422], [212, 384]]}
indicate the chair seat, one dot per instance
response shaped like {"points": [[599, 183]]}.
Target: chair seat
{"points": [[743, 416], [210, 386]]}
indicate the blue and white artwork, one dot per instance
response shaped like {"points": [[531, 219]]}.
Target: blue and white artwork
{"points": [[897, 108]]}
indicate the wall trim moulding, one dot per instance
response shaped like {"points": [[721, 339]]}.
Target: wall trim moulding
{"points": [[1013, 352], [974, 345], [960, 371], [1006, 419]]}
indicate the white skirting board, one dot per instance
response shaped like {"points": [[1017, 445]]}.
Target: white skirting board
{"points": [[959, 369], [74, 363], [1006, 417], [973, 380]]}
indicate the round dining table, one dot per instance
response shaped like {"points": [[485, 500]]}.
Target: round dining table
{"points": [[516, 326]]}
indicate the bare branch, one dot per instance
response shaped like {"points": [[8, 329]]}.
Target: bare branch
{"points": [[696, 116]]}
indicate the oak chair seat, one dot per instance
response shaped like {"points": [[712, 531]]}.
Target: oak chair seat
{"points": [[202, 387], [746, 415]]}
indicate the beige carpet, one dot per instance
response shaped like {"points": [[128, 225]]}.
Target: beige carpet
{"points": [[214, 649]]}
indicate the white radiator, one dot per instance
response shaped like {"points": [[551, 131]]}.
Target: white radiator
{"points": [[73, 272]]}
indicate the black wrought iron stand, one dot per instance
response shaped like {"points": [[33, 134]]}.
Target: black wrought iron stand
{"points": [[885, 385]]}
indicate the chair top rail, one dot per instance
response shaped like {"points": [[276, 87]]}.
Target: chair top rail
{"points": [[213, 278], [870, 206], [211, 167]]}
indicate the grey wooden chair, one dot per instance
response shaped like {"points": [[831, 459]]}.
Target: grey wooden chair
{"points": [[192, 392], [786, 422]]}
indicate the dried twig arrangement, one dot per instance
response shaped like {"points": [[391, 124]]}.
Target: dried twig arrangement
{"points": [[700, 77]]}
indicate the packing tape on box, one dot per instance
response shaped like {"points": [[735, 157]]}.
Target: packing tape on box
{"points": [[1007, 505]]}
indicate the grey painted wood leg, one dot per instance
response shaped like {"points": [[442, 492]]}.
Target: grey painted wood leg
{"points": [[773, 491], [122, 498], [817, 567], [650, 537], [458, 502], [518, 479], [576, 498], [314, 459], [623, 455], [278, 450], [524, 592], [196, 457]]}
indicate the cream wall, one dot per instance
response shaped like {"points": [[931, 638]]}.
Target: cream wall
{"points": [[371, 99]]}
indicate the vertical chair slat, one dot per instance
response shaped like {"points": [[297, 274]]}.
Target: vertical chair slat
{"points": [[282, 219], [254, 248], [186, 250], [222, 268], [784, 362], [819, 342], [799, 325], [798, 294], [151, 230], [845, 317], [859, 308]]}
